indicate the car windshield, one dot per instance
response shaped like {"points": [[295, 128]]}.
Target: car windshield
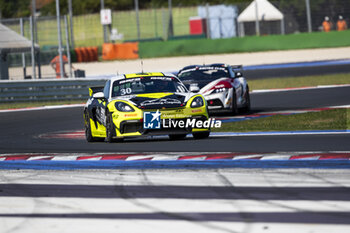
{"points": [[203, 73], [143, 85]]}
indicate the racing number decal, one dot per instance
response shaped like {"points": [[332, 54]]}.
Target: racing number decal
{"points": [[126, 91]]}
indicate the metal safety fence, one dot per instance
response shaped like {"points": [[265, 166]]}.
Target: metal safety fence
{"points": [[47, 90], [45, 34]]}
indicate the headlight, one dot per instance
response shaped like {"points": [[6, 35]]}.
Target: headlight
{"points": [[123, 107], [220, 90], [197, 102]]}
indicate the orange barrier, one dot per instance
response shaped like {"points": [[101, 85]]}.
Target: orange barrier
{"points": [[120, 51], [78, 54], [108, 51], [86, 54], [94, 52]]}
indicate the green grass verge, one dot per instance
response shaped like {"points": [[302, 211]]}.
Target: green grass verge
{"points": [[245, 44], [303, 81], [335, 119]]}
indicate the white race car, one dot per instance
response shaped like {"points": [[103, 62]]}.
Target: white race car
{"points": [[223, 86]]}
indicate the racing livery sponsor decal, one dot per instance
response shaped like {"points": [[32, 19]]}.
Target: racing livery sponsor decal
{"points": [[160, 102], [197, 110], [130, 115]]}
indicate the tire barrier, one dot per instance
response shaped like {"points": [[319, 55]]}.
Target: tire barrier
{"points": [[86, 54], [129, 50]]}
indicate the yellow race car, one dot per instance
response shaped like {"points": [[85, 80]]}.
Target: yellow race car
{"points": [[145, 104]]}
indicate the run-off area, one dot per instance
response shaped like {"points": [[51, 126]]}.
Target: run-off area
{"points": [[175, 200]]}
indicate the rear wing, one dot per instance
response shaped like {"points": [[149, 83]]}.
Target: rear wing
{"points": [[93, 90]]}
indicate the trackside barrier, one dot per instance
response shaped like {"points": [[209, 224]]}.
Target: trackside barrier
{"points": [[129, 50], [46, 90], [86, 54]]}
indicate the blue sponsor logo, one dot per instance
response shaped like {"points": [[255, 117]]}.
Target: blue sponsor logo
{"points": [[151, 120]]}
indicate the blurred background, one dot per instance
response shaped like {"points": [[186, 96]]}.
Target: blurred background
{"points": [[91, 23]]}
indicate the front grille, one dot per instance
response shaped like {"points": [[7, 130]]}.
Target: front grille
{"points": [[133, 126], [170, 129], [215, 102], [166, 131], [130, 127]]}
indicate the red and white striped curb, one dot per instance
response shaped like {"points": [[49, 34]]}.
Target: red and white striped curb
{"points": [[175, 156]]}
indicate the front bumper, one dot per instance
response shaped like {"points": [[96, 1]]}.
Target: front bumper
{"points": [[219, 101], [133, 125]]}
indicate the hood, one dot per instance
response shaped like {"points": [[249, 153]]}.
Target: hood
{"points": [[215, 84], [200, 83], [159, 100]]}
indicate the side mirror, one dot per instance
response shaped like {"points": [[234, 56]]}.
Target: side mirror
{"points": [[238, 74], [98, 95], [194, 87]]}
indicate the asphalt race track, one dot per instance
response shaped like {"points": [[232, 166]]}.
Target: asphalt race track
{"points": [[20, 130], [166, 200], [269, 184]]}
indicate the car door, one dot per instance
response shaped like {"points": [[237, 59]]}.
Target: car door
{"points": [[101, 104]]}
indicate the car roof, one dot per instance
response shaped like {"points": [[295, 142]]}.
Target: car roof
{"points": [[136, 75], [212, 65], [192, 67], [207, 65]]}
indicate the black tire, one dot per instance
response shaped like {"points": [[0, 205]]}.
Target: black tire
{"points": [[246, 108], [177, 136], [234, 109], [88, 134], [201, 135], [110, 130]]}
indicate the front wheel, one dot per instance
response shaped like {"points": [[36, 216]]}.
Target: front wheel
{"points": [[234, 109], [246, 107], [201, 135], [110, 130]]}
